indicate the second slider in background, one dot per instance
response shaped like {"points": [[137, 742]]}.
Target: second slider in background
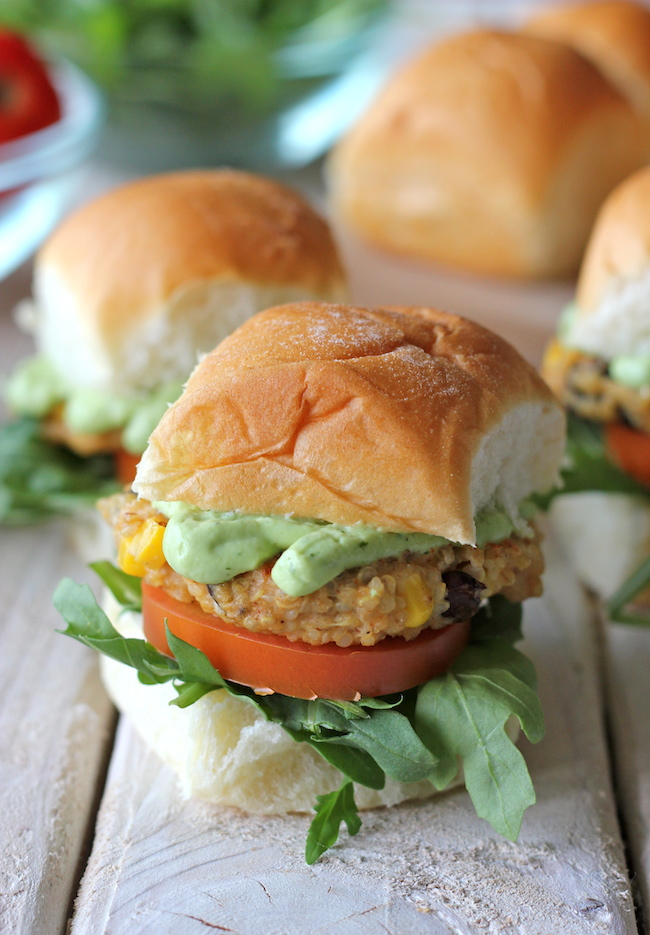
{"points": [[128, 293]]}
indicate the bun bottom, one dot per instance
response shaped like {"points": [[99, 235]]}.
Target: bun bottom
{"points": [[225, 752], [604, 536]]}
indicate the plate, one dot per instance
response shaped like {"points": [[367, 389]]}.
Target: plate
{"points": [[35, 182]]}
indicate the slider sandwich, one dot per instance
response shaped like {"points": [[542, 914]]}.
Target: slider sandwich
{"points": [[598, 365], [332, 536], [128, 292]]}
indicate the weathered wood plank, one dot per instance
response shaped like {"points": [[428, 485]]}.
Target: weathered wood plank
{"points": [[56, 722], [55, 726], [587, 525], [627, 673], [167, 865]]}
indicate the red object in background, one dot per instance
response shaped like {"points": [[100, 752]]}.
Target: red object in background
{"points": [[125, 465], [630, 449], [28, 101]]}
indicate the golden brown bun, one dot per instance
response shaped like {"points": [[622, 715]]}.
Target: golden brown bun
{"points": [[149, 274], [490, 152], [408, 419], [613, 34], [613, 296], [619, 247]]}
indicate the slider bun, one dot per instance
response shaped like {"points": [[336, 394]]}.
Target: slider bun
{"points": [[410, 420], [223, 750], [613, 34], [132, 286], [613, 292], [490, 152]]}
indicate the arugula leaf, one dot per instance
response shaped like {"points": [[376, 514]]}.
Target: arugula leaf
{"points": [[462, 714], [126, 589], [331, 810], [194, 665], [189, 692], [621, 604], [87, 623], [77, 605], [499, 617], [356, 764], [40, 480], [394, 745]]}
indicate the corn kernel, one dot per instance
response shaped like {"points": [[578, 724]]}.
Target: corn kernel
{"points": [[419, 603], [146, 545], [126, 561], [557, 354]]}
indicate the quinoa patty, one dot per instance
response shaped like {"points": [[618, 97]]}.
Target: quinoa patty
{"points": [[362, 605], [581, 381]]}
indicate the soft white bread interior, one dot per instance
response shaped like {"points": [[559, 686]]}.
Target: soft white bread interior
{"points": [[613, 34], [223, 750], [411, 420], [490, 152], [133, 286], [613, 294]]}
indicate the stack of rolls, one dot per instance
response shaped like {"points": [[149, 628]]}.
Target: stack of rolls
{"points": [[490, 152]]}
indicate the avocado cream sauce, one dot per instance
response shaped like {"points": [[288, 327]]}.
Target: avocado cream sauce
{"points": [[37, 387], [632, 371], [212, 547]]}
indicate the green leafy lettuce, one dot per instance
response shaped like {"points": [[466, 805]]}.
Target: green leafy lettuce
{"points": [[427, 732], [588, 467], [184, 53], [40, 480]]}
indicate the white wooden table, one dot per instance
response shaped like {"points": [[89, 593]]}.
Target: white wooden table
{"points": [[96, 836]]}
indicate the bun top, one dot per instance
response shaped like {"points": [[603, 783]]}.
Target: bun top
{"points": [[613, 34], [619, 247], [179, 259], [613, 294], [403, 419], [491, 152]]}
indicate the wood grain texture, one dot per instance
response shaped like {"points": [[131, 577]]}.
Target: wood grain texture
{"points": [[55, 727], [161, 864], [627, 673]]}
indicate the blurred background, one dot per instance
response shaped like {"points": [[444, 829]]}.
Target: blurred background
{"points": [[268, 85], [258, 84], [153, 85]]}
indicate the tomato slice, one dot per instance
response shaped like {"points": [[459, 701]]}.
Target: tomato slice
{"points": [[268, 662], [125, 465], [630, 449]]}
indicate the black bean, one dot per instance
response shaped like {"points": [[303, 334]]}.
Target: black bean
{"points": [[463, 594], [211, 588]]}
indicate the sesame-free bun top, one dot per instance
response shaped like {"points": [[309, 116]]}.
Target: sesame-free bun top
{"points": [[403, 419], [613, 34], [613, 295], [131, 287], [490, 152]]}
